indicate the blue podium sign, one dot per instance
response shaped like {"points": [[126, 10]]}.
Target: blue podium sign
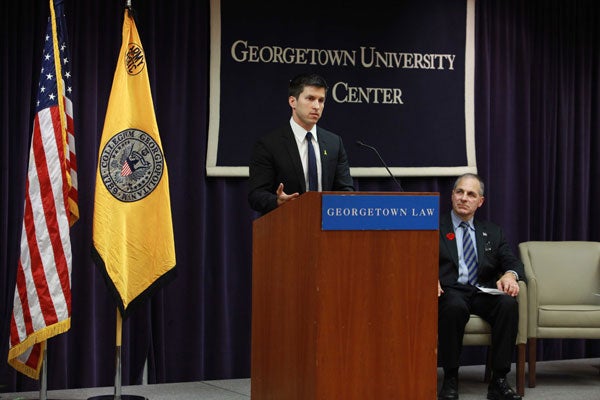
{"points": [[383, 212]]}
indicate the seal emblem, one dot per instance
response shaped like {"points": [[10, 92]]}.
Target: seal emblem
{"points": [[131, 165]]}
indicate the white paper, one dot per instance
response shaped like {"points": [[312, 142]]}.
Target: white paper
{"points": [[492, 291]]}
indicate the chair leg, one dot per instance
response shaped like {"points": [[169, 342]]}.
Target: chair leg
{"points": [[487, 375], [532, 344], [521, 369]]}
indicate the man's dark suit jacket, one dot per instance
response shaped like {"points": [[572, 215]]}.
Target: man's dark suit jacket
{"points": [[275, 159], [493, 253]]}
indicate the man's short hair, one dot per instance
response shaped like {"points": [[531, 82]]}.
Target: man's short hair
{"points": [[471, 175], [298, 83]]}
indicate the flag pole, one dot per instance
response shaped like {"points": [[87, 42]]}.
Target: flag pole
{"points": [[117, 395], [44, 372], [118, 356], [44, 378]]}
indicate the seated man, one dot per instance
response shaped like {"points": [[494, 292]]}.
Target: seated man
{"points": [[474, 254]]}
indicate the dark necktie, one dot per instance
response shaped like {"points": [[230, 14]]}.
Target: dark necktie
{"points": [[469, 254], [313, 183]]}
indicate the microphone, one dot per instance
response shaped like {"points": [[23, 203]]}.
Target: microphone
{"points": [[361, 143]]}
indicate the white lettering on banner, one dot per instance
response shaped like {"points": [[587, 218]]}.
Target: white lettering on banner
{"points": [[423, 212], [370, 57], [405, 60], [342, 93], [367, 212], [242, 52]]}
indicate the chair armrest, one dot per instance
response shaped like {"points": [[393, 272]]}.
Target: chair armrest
{"points": [[532, 291], [523, 314]]}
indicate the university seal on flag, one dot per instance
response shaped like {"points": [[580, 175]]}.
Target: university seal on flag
{"points": [[131, 165]]}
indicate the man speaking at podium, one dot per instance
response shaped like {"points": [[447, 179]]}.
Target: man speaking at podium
{"points": [[299, 156]]}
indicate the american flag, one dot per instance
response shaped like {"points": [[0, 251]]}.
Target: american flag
{"points": [[42, 302]]}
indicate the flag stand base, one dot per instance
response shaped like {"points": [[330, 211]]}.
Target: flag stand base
{"points": [[117, 395]]}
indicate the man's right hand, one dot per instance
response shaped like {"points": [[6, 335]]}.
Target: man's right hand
{"points": [[282, 197]]}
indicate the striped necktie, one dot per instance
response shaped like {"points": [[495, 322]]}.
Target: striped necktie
{"points": [[469, 254]]}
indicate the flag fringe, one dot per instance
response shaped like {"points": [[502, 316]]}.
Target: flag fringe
{"points": [[36, 337], [25, 369]]}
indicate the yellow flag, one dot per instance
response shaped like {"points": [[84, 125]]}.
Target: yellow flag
{"points": [[133, 229]]}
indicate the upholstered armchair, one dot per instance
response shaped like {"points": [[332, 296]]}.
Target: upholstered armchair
{"points": [[479, 333], [563, 279]]}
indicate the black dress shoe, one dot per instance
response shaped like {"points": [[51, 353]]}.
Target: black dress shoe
{"points": [[499, 389], [449, 389]]}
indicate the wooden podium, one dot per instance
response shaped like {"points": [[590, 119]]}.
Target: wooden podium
{"points": [[342, 314]]}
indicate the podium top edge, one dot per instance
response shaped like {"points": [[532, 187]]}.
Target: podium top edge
{"points": [[380, 193]]}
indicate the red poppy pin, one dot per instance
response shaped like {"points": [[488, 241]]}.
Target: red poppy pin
{"points": [[450, 236]]}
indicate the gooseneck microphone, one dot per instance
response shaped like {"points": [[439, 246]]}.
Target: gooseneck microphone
{"points": [[361, 143]]}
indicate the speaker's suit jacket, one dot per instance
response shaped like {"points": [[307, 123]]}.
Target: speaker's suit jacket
{"points": [[493, 253], [275, 159]]}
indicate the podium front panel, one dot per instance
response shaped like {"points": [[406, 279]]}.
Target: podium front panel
{"points": [[341, 314]]}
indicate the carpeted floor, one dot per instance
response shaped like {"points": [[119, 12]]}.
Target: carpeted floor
{"points": [[556, 380]]}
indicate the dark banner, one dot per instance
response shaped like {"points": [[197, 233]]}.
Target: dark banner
{"points": [[400, 79]]}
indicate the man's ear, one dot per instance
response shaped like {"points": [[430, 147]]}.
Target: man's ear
{"points": [[292, 101], [481, 201]]}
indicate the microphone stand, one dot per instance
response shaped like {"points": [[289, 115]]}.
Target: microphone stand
{"points": [[361, 143]]}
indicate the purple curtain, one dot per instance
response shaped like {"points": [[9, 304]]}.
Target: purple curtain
{"points": [[537, 95]]}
